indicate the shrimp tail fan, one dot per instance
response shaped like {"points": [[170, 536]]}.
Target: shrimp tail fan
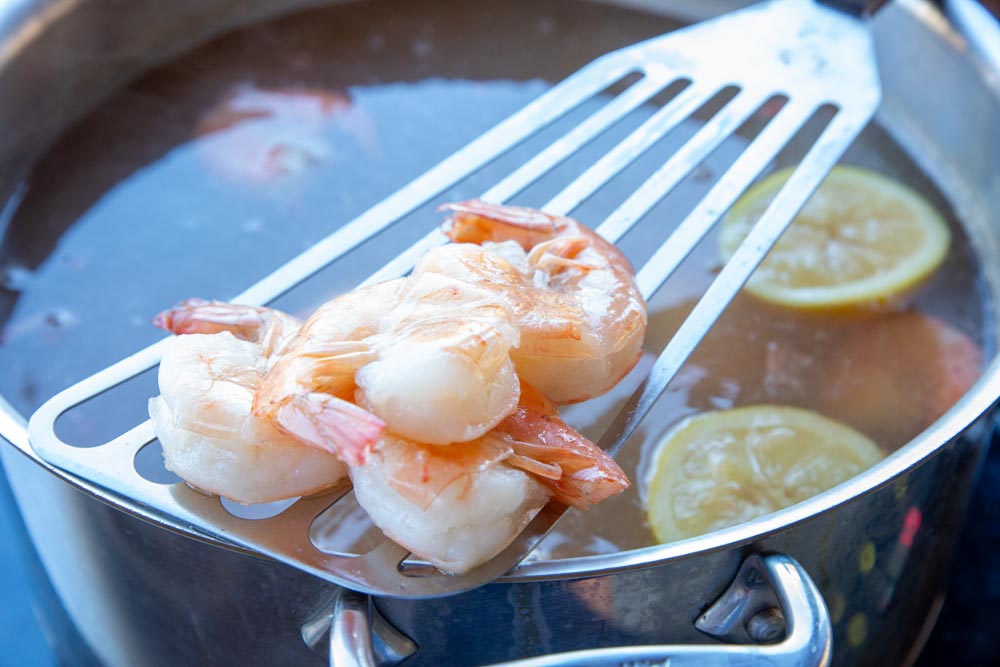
{"points": [[331, 424]]}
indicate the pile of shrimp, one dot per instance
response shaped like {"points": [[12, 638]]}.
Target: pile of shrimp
{"points": [[437, 394]]}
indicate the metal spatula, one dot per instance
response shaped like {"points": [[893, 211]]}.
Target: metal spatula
{"points": [[810, 56]]}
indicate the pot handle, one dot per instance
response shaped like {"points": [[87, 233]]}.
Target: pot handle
{"points": [[771, 598], [350, 634], [745, 609], [353, 634]]}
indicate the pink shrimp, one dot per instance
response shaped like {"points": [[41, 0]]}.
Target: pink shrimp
{"points": [[208, 376], [581, 316], [427, 357], [458, 506], [269, 328], [577, 472]]}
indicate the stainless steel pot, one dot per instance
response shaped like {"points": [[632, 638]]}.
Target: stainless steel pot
{"points": [[141, 593]]}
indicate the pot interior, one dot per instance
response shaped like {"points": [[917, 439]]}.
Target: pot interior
{"points": [[204, 174]]}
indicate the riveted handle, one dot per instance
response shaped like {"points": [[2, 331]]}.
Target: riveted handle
{"points": [[744, 607], [351, 633], [772, 601]]}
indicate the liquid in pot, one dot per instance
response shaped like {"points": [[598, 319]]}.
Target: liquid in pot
{"points": [[208, 173]]}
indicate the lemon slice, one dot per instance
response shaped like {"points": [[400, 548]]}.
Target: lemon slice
{"points": [[719, 469], [861, 240]]}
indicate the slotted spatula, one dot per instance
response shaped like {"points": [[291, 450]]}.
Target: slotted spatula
{"points": [[811, 56]]}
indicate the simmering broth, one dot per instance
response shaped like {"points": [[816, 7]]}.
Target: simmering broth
{"points": [[207, 174]]}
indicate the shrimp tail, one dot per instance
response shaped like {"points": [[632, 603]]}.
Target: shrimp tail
{"points": [[331, 424], [588, 474], [198, 316], [268, 327], [549, 471], [560, 254], [476, 221], [479, 222], [577, 472]]}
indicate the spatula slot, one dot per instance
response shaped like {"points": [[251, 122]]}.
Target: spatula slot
{"points": [[344, 529], [105, 415], [148, 463]]}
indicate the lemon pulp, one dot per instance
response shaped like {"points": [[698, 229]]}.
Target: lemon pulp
{"points": [[719, 469], [861, 240]]}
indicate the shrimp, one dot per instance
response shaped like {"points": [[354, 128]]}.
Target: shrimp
{"points": [[202, 417], [579, 310], [458, 506], [270, 329], [428, 357], [576, 472]]}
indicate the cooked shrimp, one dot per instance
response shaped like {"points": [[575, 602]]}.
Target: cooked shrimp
{"points": [[580, 313], [428, 357], [458, 506], [202, 417], [576, 472], [270, 329]]}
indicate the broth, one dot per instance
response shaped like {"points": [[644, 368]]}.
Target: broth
{"points": [[205, 175]]}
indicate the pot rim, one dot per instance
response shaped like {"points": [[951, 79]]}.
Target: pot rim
{"points": [[18, 26]]}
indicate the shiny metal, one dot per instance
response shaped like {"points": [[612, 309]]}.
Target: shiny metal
{"points": [[349, 633], [766, 626], [154, 597], [751, 596], [770, 578], [817, 58], [979, 27]]}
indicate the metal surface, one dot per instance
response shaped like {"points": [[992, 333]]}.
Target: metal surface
{"points": [[981, 28], [759, 580], [154, 597], [818, 59], [350, 633], [771, 587]]}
